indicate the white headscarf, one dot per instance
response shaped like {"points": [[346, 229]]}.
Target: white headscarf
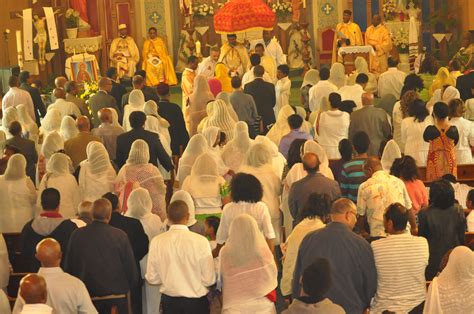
{"points": [[361, 65], [390, 153], [313, 147], [196, 146], [27, 122], [247, 264], [16, 168], [139, 203], [184, 196], [210, 134], [452, 290], [226, 98], [98, 158], [9, 115], [201, 94], [155, 123], [278, 160], [310, 78], [51, 121], [281, 127], [338, 75], [52, 144], [115, 118], [235, 150], [139, 153], [151, 108], [258, 155], [450, 93], [3, 139], [58, 164], [205, 165], [68, 128], [136, 99], [221, 118]]}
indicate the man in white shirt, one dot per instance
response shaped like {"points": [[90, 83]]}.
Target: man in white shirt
{"points": [[272, 47], [249, 76], [66, 108], [391, 81], [33, 292], [207, 66], [400, 260], [181, 262], [66, 293], [354, 92], [16, 96], [319, 93], [376, 194]]}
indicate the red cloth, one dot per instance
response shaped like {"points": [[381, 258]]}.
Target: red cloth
{"points": [[215, 86], [272, 296], [81, 7], [242, 15], [50, 214]]}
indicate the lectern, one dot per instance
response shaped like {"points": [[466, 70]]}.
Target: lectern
{"points": [[350, 53]]}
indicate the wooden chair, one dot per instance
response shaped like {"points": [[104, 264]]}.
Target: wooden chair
{"points": [[115, 298], [325, 45]]}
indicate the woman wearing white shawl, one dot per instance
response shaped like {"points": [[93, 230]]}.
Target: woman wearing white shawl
{"points": [[18, 195], [278, 160], [136, 100], [310, 79], [9, 115], [203, 123], [68, 128], [3, 139], [196, 146], [51, 122], [234, 151], [337, 75], [28, 124], [193, 224], [258, 162], [198, 100], [59, 176], [444, 95], [306, 126], [204, 185], [211, 134], [452, 290], [361, 66], [226, 97], [247, 268], [221, 118], [391, 152], [281, 127], [97, 176], [115, 117], [52, 143], [139, 207], [138, 172]]}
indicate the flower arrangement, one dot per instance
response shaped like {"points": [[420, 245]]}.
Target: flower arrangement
{"points": [[90, 89], [400, 40], [203, 10], [389, 10], [282, 8], [72, 18]]}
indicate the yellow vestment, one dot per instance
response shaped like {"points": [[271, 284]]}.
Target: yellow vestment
{"points": [[352, 32], [379, 38], [124, 55], [157, 71], [235, 58]]}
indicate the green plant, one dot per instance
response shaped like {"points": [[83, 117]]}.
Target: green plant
{"points": [[72, 18]]}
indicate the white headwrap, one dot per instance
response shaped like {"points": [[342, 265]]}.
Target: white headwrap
{"points": [[258, 155], [136, 99], [338, 75], [310, 78], [205, 165], [390, 153], [184, 196], [247, 264], [68, 128], [361, 65], [450, 93], [281, 127], [51, 121], [139, 203], [210, 134], [52, 144], [151, 108], [278, 160], [27, 122], [16, 168], [196, 146], [235, 150], [139, 153], [59, 163], [451, 291], [221, 118], [98, 158], [9, 115], [226, 97], [115, 118], [313, 147]]}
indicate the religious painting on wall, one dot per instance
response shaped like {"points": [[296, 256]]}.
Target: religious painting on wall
{"points": [[84, 71]]}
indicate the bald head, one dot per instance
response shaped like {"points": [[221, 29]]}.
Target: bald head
{"points": [[105, 115], [310, 162], [105, 84], [344, 211], [83, 124], [48, 253], [59, 93], [33, 289], [367, 99], [60, 81], [372, 165], [101, 210]]}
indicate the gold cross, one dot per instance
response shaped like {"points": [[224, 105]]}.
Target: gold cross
{"points": [[155, 17], [327, 8]]}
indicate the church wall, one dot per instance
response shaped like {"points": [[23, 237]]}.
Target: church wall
{"points": [[465, 9], [13, 24]]}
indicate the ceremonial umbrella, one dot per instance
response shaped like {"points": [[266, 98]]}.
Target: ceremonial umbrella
{"points": [[243, 15]]}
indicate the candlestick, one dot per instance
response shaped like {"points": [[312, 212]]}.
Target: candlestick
{"points": [[198, 48], [304, 4]]}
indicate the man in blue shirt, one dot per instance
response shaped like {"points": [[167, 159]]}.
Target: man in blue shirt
{"points": [[295, 122]]}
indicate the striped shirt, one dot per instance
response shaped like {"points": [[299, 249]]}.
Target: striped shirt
{"points": [[400, 261], [352, 175]]}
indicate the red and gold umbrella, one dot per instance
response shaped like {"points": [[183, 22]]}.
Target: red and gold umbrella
{"points": [[243, 15]]}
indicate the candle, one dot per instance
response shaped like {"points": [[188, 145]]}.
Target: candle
{"points": [[198, 48], [18, 41], [304, 4]]}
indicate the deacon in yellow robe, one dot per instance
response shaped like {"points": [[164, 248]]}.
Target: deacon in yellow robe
{"points": [[124, 54], [378, 36], [346, 30], [267, 62], [234, 56], [187, 82], [156, 61]]}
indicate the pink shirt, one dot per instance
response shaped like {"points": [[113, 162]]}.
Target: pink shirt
{"points": [[418, 195]]}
